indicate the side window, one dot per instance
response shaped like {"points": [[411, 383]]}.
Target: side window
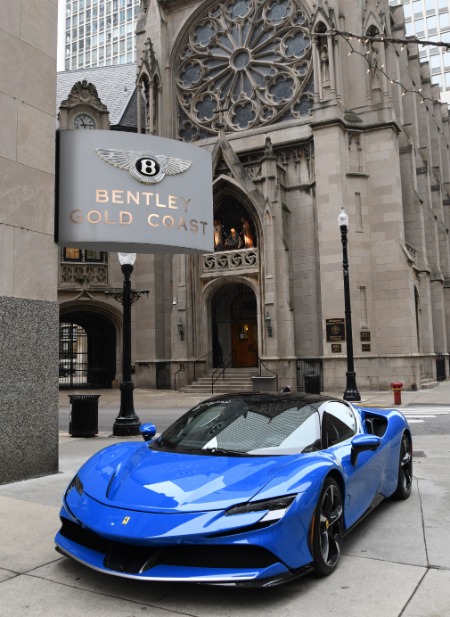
{"points": [[338, 423]]}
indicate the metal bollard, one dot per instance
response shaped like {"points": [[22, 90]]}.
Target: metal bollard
{"points": [[397, 389]]}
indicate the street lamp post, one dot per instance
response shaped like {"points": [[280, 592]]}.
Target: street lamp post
{"points": [[351, 391], [127, 422]]}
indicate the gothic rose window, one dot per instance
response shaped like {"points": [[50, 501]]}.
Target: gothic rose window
{"points": [[245, 64]]}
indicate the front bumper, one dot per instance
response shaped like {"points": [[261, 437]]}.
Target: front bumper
{"points": [[244, 554]]}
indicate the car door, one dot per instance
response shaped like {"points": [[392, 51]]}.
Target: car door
{"points": [[363, 478]]}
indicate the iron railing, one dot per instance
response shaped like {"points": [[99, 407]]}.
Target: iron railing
{"points": [[440, 367], [309, 375]]}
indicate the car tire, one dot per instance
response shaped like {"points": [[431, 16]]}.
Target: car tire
{"points": [[405, 469], [328, 527]]}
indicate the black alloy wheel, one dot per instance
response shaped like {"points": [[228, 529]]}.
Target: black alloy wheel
{"points": [[327, 530], [405, 469]]}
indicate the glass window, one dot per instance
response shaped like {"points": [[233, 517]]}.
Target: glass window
{"points": [[79, 255], [446, 58], [444, 20], [252, 425], [435, 62], [70, 254], [94, 256], [420, 25], [338, 423], [442, 4], [417, 7], [431, 23], [409, 29], [447, 81], [437, 79], [429, 5], [407, 10]]}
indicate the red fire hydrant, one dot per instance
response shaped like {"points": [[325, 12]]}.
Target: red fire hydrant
{"points": [[397, 388]]}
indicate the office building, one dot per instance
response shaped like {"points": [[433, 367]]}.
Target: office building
{"points": [[429, 20], [98, 32]]}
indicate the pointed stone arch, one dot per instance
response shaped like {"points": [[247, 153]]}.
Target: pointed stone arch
{"points": [[233, 310], [324, 55]]}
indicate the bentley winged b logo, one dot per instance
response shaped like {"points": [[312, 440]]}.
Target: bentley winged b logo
{"points": [[146, 167]]}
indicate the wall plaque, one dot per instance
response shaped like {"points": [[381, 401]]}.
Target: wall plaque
{"points": [[335, 330]]}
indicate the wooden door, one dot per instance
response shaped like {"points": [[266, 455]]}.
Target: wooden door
{"points": [[244, 343]]}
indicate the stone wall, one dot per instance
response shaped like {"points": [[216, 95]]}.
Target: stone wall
{"points": [[28, 308]]}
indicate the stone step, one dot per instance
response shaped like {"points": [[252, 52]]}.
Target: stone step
{"points": [[235, 380], [222, 389], [426, 384]]}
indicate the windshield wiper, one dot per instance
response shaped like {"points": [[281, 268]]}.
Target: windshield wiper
{"points": [[224, 451]]}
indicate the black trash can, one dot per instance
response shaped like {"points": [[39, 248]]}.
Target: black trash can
{"points": [[312, 384], [83, 415]]}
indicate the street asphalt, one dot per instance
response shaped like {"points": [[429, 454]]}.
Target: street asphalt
{"points": [[396, 563]]}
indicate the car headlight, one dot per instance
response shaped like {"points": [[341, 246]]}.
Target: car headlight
{"points": [[75, 484], [277, 507]]}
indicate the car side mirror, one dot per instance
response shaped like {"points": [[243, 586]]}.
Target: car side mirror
{"points": [[148, 431], [361, 443]]}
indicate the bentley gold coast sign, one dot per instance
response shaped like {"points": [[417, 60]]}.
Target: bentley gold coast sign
{"points": [[141, 193]]}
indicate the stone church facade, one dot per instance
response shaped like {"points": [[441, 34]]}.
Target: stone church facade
{"points": [[306, 108]]}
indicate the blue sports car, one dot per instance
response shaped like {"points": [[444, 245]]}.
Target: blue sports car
{"points": [[246, 489]]}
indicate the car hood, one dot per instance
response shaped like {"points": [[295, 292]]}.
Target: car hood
{"points": [[142, 479]]}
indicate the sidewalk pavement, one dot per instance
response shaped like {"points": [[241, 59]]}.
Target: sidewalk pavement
{"points": [[145, 399], [395, 563]]}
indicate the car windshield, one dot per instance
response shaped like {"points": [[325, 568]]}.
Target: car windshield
{"points": [[253, 425]]}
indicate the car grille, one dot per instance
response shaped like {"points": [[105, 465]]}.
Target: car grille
{"points": [[133, 559]]}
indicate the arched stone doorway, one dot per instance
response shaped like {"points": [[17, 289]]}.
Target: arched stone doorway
{"points": [[87, 350], [234, 326]]}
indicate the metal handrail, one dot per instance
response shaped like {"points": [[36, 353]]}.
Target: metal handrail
{"points": [[261, 362], [188, 363], [275, 374], [180, 370], [223, 366], [208, 353]]}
